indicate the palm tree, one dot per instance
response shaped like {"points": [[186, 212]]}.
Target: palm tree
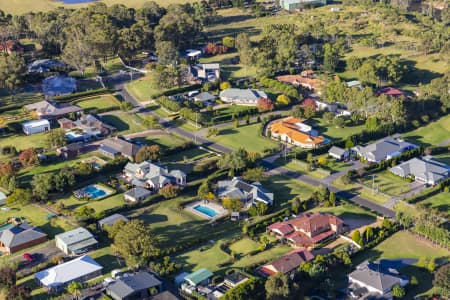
{"points": [[75, 288]]}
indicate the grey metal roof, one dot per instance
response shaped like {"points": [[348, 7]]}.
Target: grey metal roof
{"points": [[19, 235], [381, 149], [337, 151], [426, 169], [242, 94], [75, 236], [376, 275], [204, 96], [138, 192], [236, 188], [166, 295], [127, 286], [111, 220]]}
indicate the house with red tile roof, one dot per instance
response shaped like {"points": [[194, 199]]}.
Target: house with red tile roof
{"points": [[390, 91], [307, 82], [308, 229], [291, 130], [286, 264]]}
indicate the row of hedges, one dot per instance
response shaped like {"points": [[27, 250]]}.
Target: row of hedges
{"points": [[165, 102], [74, 96]]}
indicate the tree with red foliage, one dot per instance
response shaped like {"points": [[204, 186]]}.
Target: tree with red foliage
{"points": [[264, 104], [6, 169], [309, 107], [214, 49], [28, 157], [169, 191]]}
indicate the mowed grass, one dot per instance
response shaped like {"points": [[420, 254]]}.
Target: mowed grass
{"points": [[244, 246], [164, 141], [347, 211], [332, 132], [440, 202], [388, 183], [124, 122], [247, 137], [99, 102], [23, 141], [72, 203], [143, 89], [23, 6], [433, 134]]}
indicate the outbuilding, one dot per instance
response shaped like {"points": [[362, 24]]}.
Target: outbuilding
{"points": [[36, 126], [338, 153]]}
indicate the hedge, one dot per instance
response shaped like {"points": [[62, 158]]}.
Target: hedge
{"points": [[77, 95]]}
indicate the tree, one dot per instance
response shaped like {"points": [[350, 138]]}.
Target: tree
{"points": [[309, 107], [136, 243], [75, 288], [56, 138], [398, 291], [19, 196], [356, 237], [152, 153], [264, 105], [7, 277], [167, 53], [368, 234], [261, 208], [330, 58], [441, 280], [255, 174], [85, 213], [332, 199], [28, 157], [12, 69], [232, 204], [328, 117], [41, 184], [236, 160], [349, 143], [243, 46], [18, 292], [339, 122], [283, 100], [151, 121], [228, 41], [277, 287], [203, 190], [169, 191], [225, 85]]}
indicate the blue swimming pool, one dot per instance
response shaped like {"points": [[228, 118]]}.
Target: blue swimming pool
{"points": [[206, 210], [94, 191]]}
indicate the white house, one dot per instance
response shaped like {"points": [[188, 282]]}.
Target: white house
{"points": [[36, 126]]}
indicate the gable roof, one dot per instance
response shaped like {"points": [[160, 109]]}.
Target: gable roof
{"points": [[47, 108], [69, 271], [426, 169], [382, 148], [127, 286], [121, 146], [138, 192], [287, 263], [36, 123], [337, 151], [76, 239], [375, 275], [204, 96], [290, 127], [198, 276], [390, 91], [242, 94], [236, 188], [111, 220], [19, 235], [313, 83]]}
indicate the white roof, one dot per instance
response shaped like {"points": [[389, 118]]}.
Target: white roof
{"points": [[36, 123], [69, 271]]}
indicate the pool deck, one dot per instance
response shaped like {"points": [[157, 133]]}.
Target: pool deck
{"points": [[212, 205], [107, 190]]}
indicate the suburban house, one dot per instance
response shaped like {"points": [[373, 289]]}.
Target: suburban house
{"points": [[20, 237], [390, 91], [152, 176], [196, 280], [286, 264], [354, 84], [45, 65], [383, 149], [111, 220], [248, 193], [68, 151], [51, 110], [135, 286], [204, 97], [136, 194], [80, 269], [307, 229], [2, 198], [36, 126], [292, 130], [230, 281], [426, 170], [323, 105], [373, 280], [205, 72], [241, 96], [58, 85], [75, 241], [338, 153], [119, 146], [312, 84], [7, 47], [89, 125], [293, 5]]}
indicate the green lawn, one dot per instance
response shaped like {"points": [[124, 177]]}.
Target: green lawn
{"points": [[187, 155], [440, 202], [347, 211], [285, 189], [22, 141], [268, 255], [143, 89], [230, 70], [21, 98], [302, 167], [72, 203], [164, 141], [247, 137], [433, 134], [244, 246], [363, 191], [99, 102], [388, 183], [331, 131], [124, 122]]}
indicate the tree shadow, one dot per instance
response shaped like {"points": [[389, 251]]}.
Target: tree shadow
{"points": [[227, 131], [416, 139], [116, 122], [110, 262], [154, 218]]}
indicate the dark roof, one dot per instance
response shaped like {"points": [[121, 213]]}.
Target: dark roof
{"points": [[244, 186], [235, 278], [288, 262], [119, 145], [166, 295], [111, 220], [374, 274], [127, 286], [19, 235]]}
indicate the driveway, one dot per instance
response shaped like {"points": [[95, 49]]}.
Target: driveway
{"points": [[41, 255]]}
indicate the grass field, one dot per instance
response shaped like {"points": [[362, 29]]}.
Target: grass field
{"points": [[164, 141], [124, 122], [346, 211], [143, 89], [331, 131], [388, 183], [99, 102], [433, 134], [247, 137], [23, 6], [363, 191], [22, 141], [441, 202], [72, 203], [244, 246]]}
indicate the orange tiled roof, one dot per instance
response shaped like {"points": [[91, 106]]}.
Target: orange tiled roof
{"points": [[287, 126], [299, 80]]}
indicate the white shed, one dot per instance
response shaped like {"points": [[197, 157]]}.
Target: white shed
{"points": [[37, 126]]}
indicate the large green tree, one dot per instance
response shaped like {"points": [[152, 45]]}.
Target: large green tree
{"points": [[278, 287]]}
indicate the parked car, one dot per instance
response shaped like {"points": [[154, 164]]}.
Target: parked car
{"points": [[28, 257]]}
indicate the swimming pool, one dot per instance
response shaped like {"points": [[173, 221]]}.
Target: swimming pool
{"points": [[95, 191], [206, 210]]}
